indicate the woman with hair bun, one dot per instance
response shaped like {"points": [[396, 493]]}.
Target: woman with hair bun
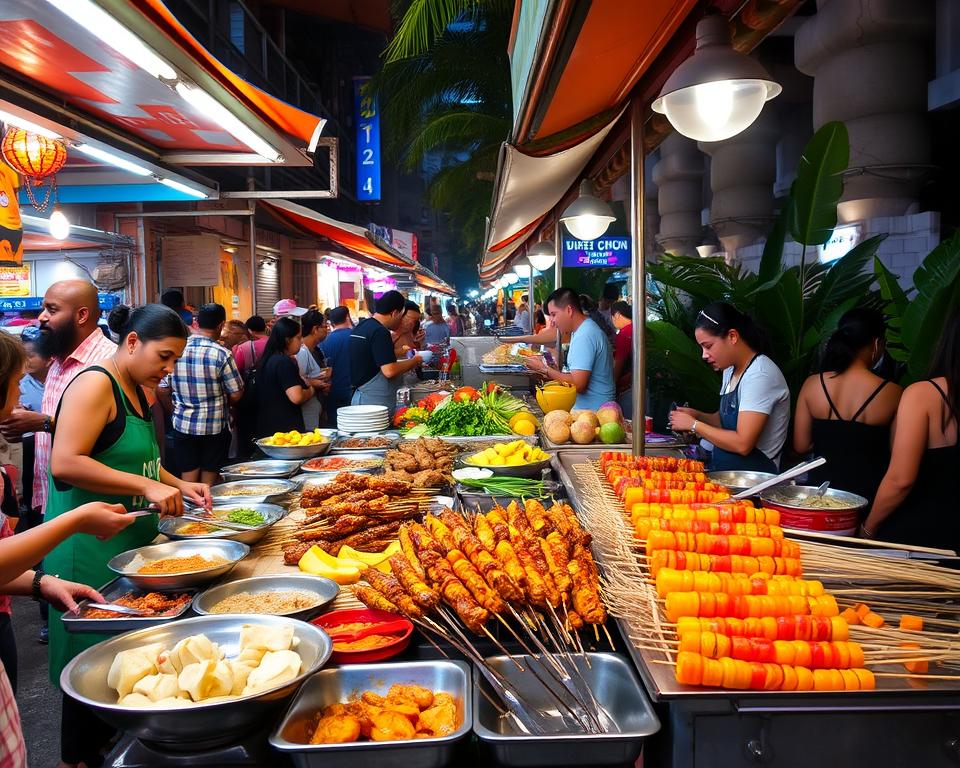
{"points": [[749, 431], [844, 412], [105, 449]]}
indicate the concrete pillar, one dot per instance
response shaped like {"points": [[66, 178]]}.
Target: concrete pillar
{"points": [[869, 64], [743, 169], [679, 176]]}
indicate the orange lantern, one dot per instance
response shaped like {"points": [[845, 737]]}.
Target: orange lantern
{"points": [[34, 157]]}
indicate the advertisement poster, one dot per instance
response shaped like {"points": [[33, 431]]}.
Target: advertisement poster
{"points": [[609, 251], [190, 260], [15, 281], [367, 120]]}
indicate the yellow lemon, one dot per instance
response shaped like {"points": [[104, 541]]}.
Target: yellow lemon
{"points": [[524, 427]]}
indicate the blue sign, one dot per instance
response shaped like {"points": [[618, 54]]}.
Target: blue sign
{"points": [[367, 119], [610, 251], [35, 303]]}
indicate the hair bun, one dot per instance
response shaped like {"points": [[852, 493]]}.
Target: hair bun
{"points": [[118, 317]]}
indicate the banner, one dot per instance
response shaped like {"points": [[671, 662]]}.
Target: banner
{"points": [[404, 242], [15, 281], [190, 260], [610, 251], [367, 120]]}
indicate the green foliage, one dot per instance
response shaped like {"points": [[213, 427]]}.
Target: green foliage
{"points": [[895, 304], [819, 184]]}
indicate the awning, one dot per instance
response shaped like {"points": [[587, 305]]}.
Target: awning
{"points": [[426, 278], [527, 188], [362, 245]]}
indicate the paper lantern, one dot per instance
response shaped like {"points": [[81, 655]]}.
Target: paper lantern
{"points": [[35, 158]]}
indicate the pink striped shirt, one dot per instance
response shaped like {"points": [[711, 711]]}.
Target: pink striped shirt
{"points": [[13, 752], [93, 348]]}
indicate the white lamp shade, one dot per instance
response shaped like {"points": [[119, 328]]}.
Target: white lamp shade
{"points": [[542, 261], [510, 278], [59, 225], [587, 226]]}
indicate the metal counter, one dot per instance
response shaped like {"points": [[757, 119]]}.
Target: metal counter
{"points": [[906, 722]]}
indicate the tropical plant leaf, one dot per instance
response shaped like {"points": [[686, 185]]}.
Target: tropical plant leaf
{"points": [[422, 23], [845, 278], [681, 354], [895, 302], [819, 184], [771, 261]]}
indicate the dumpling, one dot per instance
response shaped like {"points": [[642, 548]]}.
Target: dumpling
{"points": [[132, 665], [190, 650], [268, 638], [205, 679], [276, 668], [156, 687]]}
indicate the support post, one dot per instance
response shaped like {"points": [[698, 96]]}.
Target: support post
{"points": [[253, 256], [639, 278], [557, 271]]}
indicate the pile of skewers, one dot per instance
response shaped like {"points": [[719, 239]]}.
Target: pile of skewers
{"points": [[529, 569], [359, 510], [729, 601]]}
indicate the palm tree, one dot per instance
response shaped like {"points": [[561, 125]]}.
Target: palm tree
{"points": [[445, 87]]}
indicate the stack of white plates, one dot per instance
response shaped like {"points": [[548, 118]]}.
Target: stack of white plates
{"points": [[363, 418]]}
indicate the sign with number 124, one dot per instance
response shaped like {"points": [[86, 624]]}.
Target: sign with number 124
{"points": [[367, 120]]}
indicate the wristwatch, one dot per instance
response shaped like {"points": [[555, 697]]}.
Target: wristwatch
{"points": [[38, 574], [47, 424]]}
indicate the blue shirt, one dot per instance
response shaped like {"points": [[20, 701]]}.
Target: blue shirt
{"points": [[203, 377], [31, 395], [336, 348], [590, 350], [436, 333]]}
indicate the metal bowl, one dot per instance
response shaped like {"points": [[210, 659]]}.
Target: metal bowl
{"points": [[534, 470], [325, 590], [736, 480], [338, 446], [791, 497], [352, 457], [294, 452], [170, 526], [247, 470], [195, 726], [233, 551], [222, 497]]}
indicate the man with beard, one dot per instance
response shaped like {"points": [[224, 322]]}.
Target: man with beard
{"points": [[69, 334]]}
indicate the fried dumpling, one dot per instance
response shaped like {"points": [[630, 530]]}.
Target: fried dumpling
{"points": [[276, 668], [132, 665], [268, 638], [206, 679], [156, 687], [190, 650]]}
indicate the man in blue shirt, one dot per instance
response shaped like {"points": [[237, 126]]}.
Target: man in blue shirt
{"points": [[336, 348], [590, 359]]}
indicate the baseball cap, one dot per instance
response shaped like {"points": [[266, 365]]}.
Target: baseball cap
{"points": [[288, 307]]}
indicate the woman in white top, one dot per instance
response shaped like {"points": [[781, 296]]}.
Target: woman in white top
{"points": [[750, 429]]}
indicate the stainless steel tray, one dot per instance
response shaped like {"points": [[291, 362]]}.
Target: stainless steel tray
{"points": [[330, 686], [272, 513], [393, 436], [325, 590], [283, 488], [617, 689], [263, 468], [111, 591], [372, 455], [472, 440], [232, 551]]}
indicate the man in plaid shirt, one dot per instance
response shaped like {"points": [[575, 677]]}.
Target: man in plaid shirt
{"points": [[203, 384]]}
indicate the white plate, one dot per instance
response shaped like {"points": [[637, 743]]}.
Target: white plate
{"points": [[362, 410]]}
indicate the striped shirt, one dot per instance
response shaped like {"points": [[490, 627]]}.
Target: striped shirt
{"points": [[204, 376], [13, 752], [92, 349]]}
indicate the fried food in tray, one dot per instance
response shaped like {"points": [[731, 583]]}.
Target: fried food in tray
{"points": [[406, 712], [362, 511], [509, 560], [425, 462], [153, 603]]}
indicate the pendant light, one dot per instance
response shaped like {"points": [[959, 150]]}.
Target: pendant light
{"points": [[543, 255], [718, 92], [588, 216], [59, 225]]}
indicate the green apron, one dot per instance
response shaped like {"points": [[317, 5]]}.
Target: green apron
{"points": [[84, 558]]}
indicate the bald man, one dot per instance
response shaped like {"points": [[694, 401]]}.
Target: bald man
{"points": [[70, 335]]}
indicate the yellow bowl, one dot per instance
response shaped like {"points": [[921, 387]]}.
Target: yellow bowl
{"points": [[556, 398]]}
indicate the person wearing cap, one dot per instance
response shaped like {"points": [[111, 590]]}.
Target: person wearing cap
{"points": [[375, 372]]}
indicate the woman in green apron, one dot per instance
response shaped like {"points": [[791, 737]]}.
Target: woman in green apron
{"points": [[105, 449]]}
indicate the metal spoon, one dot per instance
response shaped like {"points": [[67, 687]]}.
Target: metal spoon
{"points": [[821, 490], [114, 608]]}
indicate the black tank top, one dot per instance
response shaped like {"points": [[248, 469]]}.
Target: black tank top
{"points": [[857, 454], [928, 516]]}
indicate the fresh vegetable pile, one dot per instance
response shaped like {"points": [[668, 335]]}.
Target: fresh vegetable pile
{"points": [[465, 413], [500, 485]]}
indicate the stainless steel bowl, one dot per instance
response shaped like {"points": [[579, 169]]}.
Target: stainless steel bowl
{"points": [[347, 682], [735, 480], [325, 590], [338, 446], [534, 470], [247, 470], [225, 493], [294, 452], [195, 726], [233, 551], [272, 513], [790, 497], [379, 457]]}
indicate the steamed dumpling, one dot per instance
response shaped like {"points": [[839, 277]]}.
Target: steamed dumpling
{"points": [[131, 666], [157, 687], [268, 638], [205, 679], [190, 650], [276, 668]]}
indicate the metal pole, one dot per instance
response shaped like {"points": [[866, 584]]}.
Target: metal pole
{"points": [[557, 267], [639, 274], [253, 257]]}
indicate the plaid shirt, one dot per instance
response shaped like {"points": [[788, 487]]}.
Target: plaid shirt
{"points": [[92, 349], [203, 377], [13, 753]]}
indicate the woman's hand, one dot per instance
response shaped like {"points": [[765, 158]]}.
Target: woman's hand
{"points": [[101, 519], [681, 420], [166, 498], [198, 493], [64, 595]]}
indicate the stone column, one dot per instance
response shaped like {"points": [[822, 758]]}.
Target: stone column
{"points": [[679, 176], [742, 171], [869, 64]]}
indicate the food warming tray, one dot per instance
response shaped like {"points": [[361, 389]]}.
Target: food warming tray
{"points": [[111, 591]]}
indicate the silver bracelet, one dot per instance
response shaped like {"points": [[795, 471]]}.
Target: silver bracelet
{"points": [[693, 427]]}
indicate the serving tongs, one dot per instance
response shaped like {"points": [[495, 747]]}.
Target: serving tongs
{"points": [[126, 610], [776, 480], [217, 522]]}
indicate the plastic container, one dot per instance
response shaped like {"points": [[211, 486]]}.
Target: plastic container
{"points": [[350, 615]]}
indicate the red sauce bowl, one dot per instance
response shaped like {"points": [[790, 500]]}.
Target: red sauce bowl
{"points": [[354, 615]]}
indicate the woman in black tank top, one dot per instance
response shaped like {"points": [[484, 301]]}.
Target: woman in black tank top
{"points": [[915, 503], [857, 450]]}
